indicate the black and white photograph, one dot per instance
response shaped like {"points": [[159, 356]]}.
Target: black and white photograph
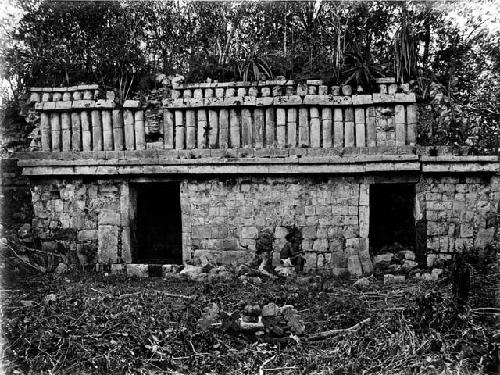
{"points": [[249, 187]]}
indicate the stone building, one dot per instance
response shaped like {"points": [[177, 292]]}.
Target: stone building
{"points": [[202, 174]]}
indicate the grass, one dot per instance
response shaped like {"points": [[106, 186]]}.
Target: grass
{"points": [[93, 324]]}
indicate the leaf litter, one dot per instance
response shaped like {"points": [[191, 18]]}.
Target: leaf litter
{"points": [[93, 324]]}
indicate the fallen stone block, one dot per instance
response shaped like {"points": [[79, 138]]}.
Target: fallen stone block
{"points": [[138, 270], [253, 279], [363, 282], [427, 276], [436, 272], [170, 269], [431, 258], [194, 273], [409, 265], [61, 268], [117, 268], [270, 310], [382, 258], [407, 254], [285, 271], [394, 279]]}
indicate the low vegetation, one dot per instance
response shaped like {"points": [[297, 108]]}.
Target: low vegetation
{"points": [[95, 324]]}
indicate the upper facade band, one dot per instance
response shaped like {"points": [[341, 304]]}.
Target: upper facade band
{"points": [[264, 114]]}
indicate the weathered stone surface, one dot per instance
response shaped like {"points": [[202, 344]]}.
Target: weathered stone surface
{"points": [[409, 265], [394, 279], [118, 268], [201, 231], [131, 104], [249, 232], [354, 265], [107, 244], [484, 237], [407, 254], [237, 256], [203, 257], [137, 270], [270, 310], [168, 269], [61, 268], [385, 258], [221, 213], [363, 282], [430, 260], [436, 272], [366, 262], [108, 217], [87, 235]]}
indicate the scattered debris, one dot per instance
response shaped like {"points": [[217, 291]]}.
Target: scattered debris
{"points": [[175, 325], [270, 319]]}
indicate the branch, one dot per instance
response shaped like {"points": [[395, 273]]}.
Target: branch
{"points": [[261, 368], [176, 295], [25, 260], [333, 332]]}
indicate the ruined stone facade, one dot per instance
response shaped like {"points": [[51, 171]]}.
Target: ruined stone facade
{"points": [[245, 162], [90, 219], [460, 211]]}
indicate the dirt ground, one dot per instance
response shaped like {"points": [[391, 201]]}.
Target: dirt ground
{"points": [[88, 323]]}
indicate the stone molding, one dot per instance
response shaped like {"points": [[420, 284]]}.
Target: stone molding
{"points": [[163, 162]]}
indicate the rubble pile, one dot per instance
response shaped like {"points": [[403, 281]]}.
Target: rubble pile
{"points": [[397, 266], [269, 320]]}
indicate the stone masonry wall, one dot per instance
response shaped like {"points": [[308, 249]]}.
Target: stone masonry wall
{"points": [[222, 219], [82, 219], [88, 220], [461, 212], [15, 200]]}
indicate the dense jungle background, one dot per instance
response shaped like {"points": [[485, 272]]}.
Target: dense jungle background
{"points": [[448, 51]]}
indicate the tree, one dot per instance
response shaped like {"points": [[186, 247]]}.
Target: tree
{"points": [[443, 49]]}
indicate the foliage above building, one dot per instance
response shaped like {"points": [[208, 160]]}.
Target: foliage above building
{"points": [[453, 63]]}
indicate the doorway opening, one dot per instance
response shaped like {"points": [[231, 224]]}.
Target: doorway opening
{"points": [[156, 224], [392, 222]]}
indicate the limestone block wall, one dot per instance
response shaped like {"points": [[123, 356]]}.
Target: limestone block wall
{"points": [[81, 219], [460, 212], [15, 202], [88, 220], [223, 219]]}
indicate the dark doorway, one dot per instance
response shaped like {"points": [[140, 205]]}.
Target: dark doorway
{"points": [[392, 224], [158, 228]]}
